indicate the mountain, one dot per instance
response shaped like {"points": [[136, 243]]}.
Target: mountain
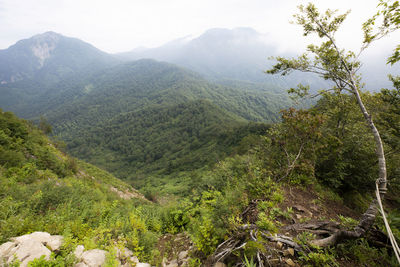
{"points": [[35, 65], [141, 117], [138, 84], [239, 53], [147, 116], [223, 55], [48, 57], [240, 56]]}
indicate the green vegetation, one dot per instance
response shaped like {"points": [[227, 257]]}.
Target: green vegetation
{"points": [[46, 182], [170, 123], [147, 117], [209, 174], [43, 189], [182, 137]]}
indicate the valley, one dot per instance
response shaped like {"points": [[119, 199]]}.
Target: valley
{"points": [[193, 154]]}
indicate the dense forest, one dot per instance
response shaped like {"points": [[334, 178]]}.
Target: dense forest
{"points": [[143, 116]]}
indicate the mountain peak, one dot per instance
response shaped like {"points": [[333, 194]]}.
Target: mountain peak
{"points": [[42, 45], [49, 54], [48, 34]]}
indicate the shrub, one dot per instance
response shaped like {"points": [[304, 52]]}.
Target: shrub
{"points": [[265, 223]]}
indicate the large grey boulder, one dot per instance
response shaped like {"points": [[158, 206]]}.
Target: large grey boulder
{"points": [[28, 247], [94, 257]]}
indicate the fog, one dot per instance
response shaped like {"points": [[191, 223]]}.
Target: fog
{"points": [[122, 25]]}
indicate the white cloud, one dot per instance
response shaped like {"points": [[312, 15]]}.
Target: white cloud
{"points": [[122, 25]]}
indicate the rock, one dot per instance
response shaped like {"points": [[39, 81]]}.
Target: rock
{"points": [[220, 264], [127, 194], [29, 247], [54, 242], [41, 237], [94, 257], [182, 255], [79, 251], [30, 250], [124, 253], [290, 262], [134, 259], [6, 248]]}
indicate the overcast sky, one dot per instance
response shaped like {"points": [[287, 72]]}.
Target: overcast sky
{"points": [[121, 25]]}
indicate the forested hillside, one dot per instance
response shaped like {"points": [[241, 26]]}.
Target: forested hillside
{"points": [[146, 116], [44, 189], [165, 139]]}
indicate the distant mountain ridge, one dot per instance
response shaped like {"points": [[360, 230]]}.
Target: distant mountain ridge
{"points": [[240, 55], [225, 55], [216, 53]]}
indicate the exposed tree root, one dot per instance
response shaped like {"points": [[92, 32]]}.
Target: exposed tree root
{"points": [[336, 235], [271, 246]]}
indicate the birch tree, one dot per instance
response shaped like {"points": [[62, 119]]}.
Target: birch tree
{"points": [[341, 67]]}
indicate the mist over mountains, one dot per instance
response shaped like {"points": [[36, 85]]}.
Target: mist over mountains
{"points": [[239, 54], [224, 55], [242, 55]]}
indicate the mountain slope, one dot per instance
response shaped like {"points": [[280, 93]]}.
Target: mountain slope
{"points": [[144, 83], [43, 189], [163, 139], [48, 57], [35, 65], [148, 116]]}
